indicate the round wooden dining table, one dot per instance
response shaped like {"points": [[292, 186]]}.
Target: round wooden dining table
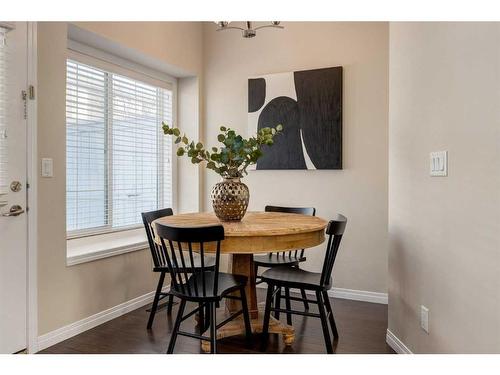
{"points": [[256, 233]]}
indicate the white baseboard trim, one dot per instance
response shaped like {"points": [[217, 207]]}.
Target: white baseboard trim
{"points": [[352, 294], [73, 329], [359, 295], [395, 343]]}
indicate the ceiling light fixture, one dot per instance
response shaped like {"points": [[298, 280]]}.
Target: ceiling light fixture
{"points": [[249, 31]]}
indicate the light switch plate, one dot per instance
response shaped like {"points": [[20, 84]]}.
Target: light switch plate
{"points": [[47, 167], [439, 163]]}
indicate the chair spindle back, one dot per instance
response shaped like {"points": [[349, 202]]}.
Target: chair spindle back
{"points": [[335, 231], [179, 253], [311, 211], [157, 252]]}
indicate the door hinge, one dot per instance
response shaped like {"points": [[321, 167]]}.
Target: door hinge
{"points": [[24, 95], [31, 91], [30, 94]]}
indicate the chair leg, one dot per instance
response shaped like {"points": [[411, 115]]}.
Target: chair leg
{"points": [[246, 316], [330, 315], [156, 299], [213, 331], [288, 306], [324, 323], [201, 317], [304, 296], [267, 317], [170, 300], [177, 325], [277, 303], [303, 293], [207, 317]]}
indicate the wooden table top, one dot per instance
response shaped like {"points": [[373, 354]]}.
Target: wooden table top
{"points": [[258, 231]]}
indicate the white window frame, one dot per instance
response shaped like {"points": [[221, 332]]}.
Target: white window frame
{"points": [[96, 243]]}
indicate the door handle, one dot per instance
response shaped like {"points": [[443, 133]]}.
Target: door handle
{"points": [[15, 210]]}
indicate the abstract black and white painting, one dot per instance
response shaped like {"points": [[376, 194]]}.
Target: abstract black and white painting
{"points": [[308, 104]]}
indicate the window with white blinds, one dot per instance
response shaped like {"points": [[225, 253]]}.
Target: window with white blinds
{"points": [[3, 114], [118, 160]]}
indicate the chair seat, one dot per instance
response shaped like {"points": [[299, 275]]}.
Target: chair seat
{"points": [[193, 289], [209, 262], [280, 259], [294, 277]]}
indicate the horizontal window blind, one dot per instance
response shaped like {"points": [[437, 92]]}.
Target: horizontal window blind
{"points": [[138, 148], [86, 147], [3, 114], [118, 161]]}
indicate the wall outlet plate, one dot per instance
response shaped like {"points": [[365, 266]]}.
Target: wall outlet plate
{"points": [[439, 163]]}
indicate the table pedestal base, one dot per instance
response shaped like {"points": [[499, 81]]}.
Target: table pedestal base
{"points": [[237, 327]]}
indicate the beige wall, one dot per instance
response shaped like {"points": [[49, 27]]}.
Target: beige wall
{"points": [[68, 294], [176, 43], [445, 231], [189, 119], [359, 190]]}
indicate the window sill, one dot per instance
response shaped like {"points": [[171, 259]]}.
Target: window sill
{"points": [[88, 249]]}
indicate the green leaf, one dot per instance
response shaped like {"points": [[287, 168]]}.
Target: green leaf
{"points": [[236, 154]]}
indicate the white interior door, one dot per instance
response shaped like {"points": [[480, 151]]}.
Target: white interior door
{"points": [[13, 196]]}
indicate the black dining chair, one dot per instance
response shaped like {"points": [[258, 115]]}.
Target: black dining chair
{"points": [[160, 262], [202, 285], [319, 283], [284, 258]]}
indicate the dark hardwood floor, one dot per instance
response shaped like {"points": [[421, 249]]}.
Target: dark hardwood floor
{"points": [[362, 328]]}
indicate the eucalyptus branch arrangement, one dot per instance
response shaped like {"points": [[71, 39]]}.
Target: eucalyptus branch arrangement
{"points": [[233, 158]]}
